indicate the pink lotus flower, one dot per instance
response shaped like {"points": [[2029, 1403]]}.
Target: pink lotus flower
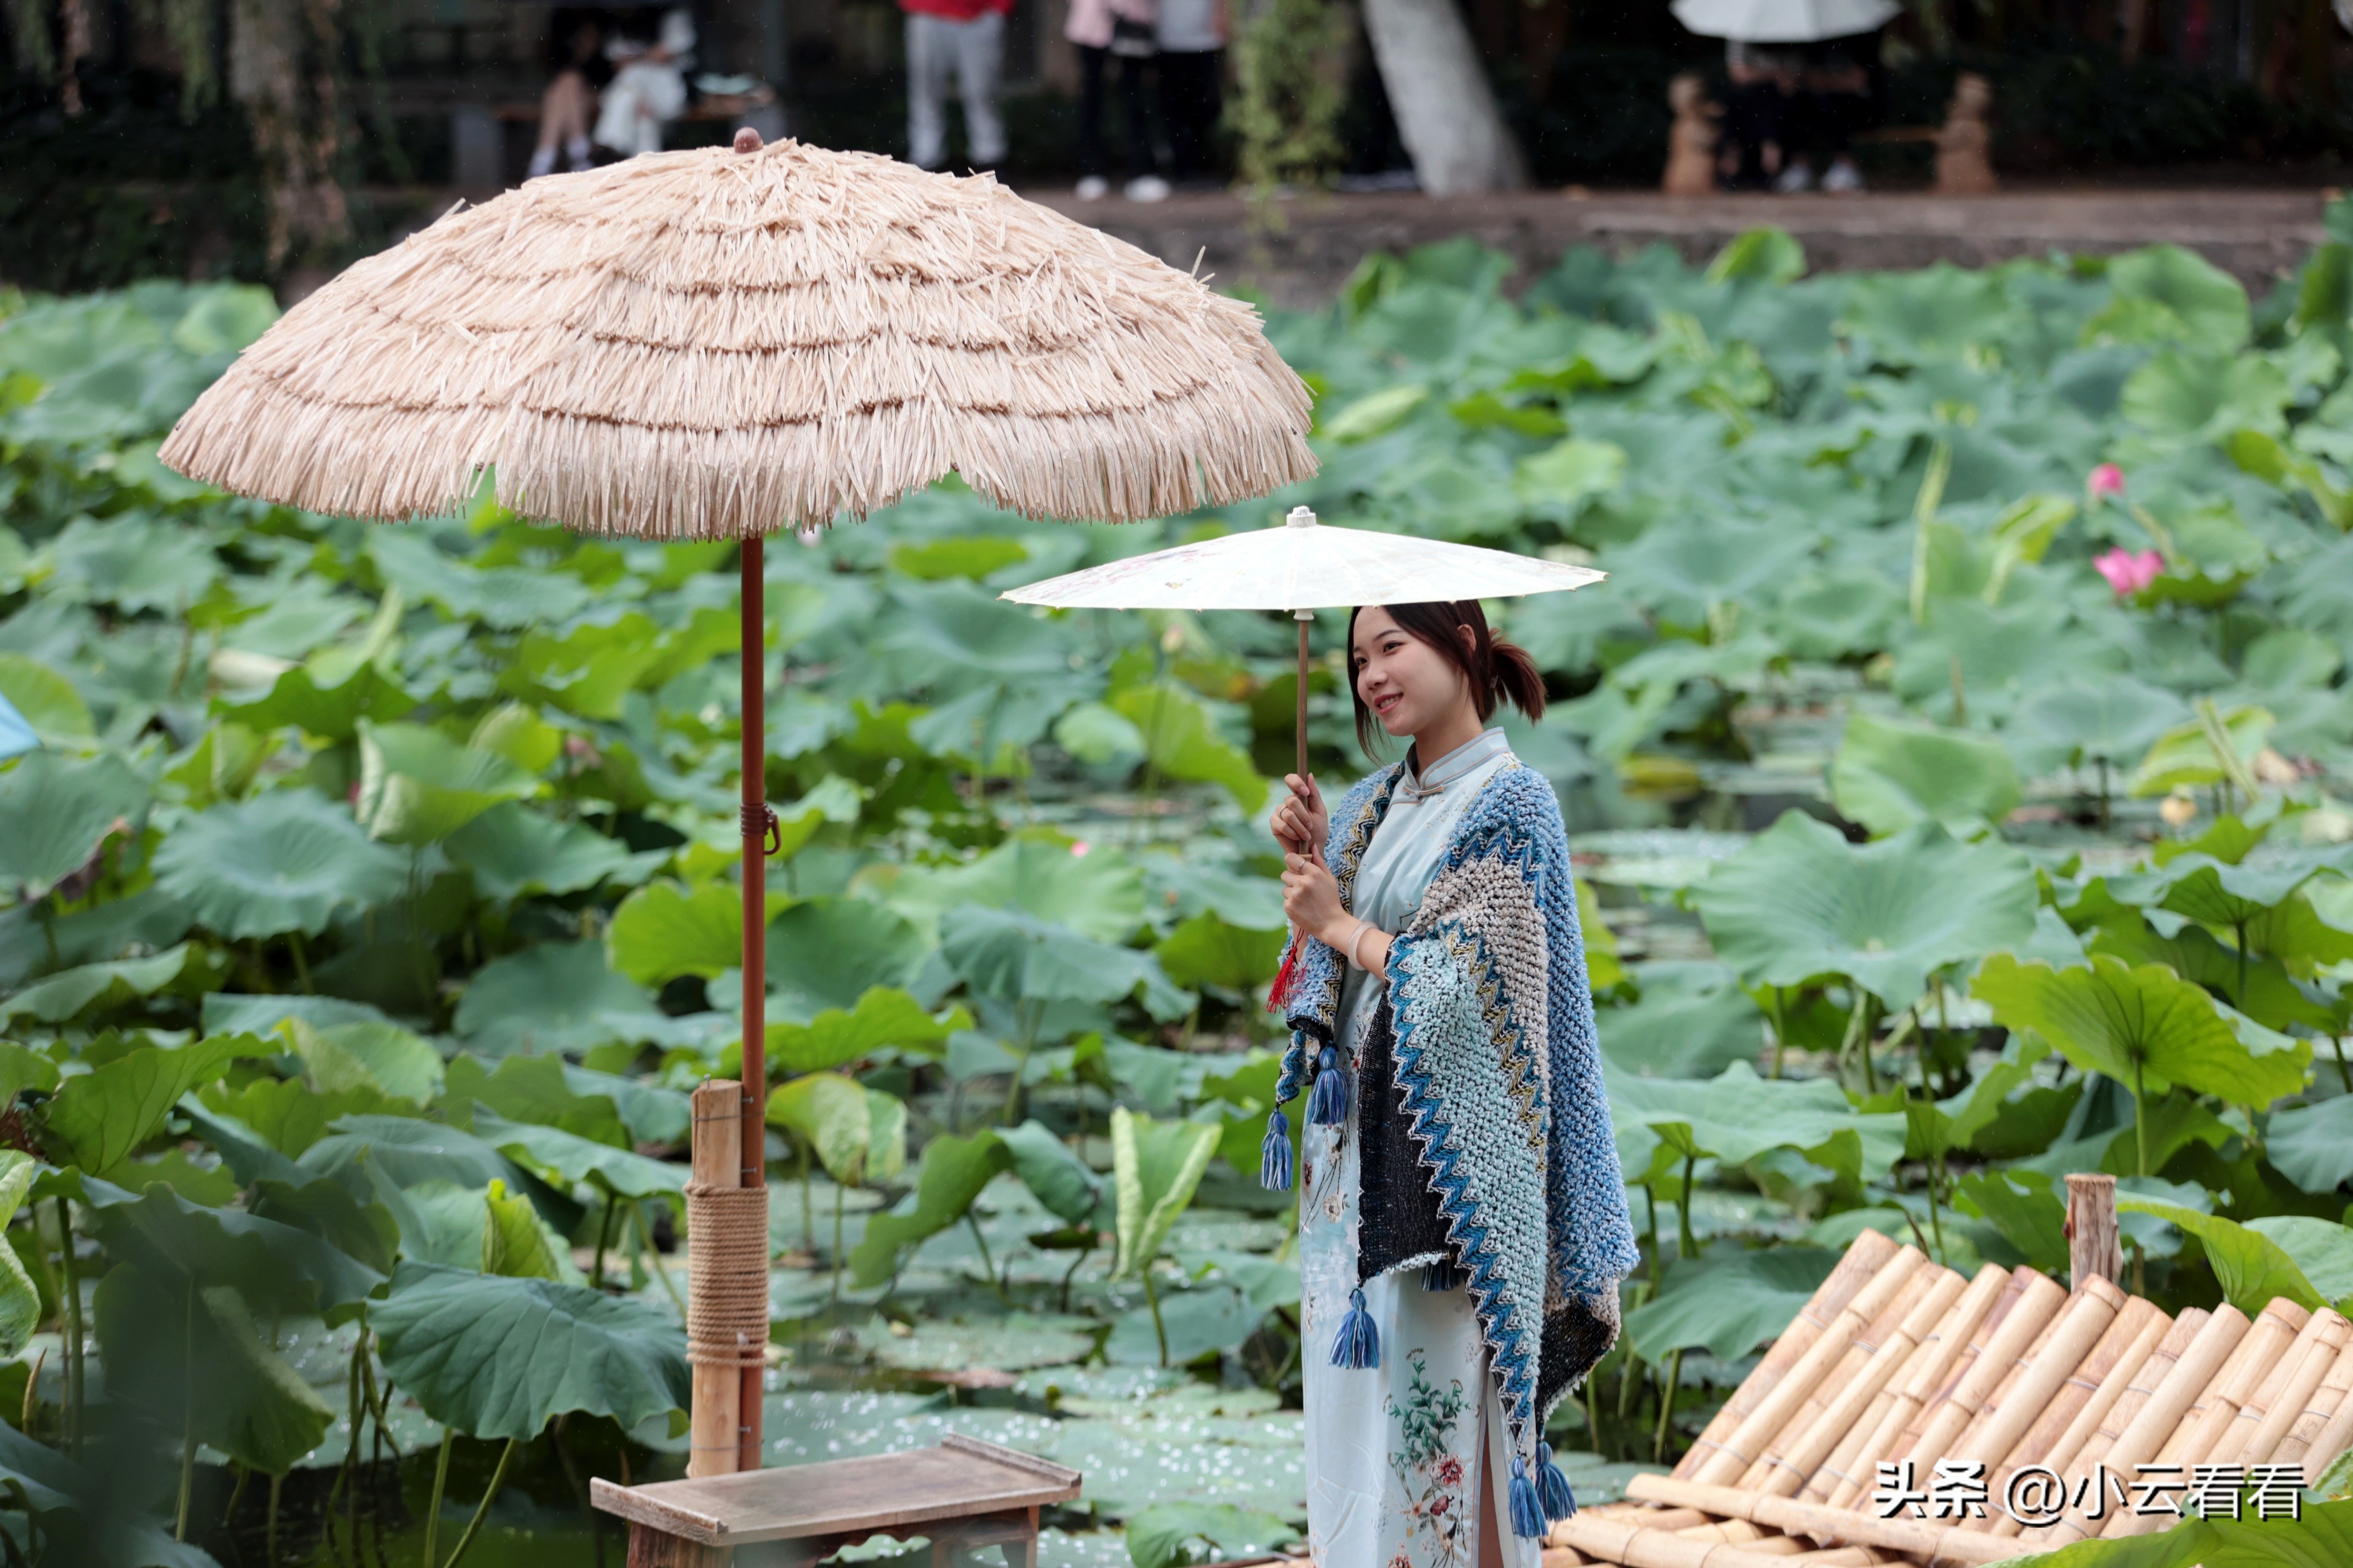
{"points": [[2129, 571], [1080, 848], [2106, 482]]}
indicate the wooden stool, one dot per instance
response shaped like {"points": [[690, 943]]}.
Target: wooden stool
{"points": [[964, 1494]]}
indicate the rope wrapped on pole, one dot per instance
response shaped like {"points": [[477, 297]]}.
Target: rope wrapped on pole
{"points": [[727, 1306]]}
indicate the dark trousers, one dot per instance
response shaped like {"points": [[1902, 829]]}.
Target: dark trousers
{"points": [[1094, 157], [1190, 102]]}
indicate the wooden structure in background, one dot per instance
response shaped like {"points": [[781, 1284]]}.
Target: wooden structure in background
{"points": [[964, 1494], [1898, 1359]]}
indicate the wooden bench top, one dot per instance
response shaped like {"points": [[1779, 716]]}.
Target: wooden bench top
{"points": [[961, 1478]]}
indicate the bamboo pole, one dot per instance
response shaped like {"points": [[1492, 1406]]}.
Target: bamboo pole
{"points": [[2088, 1315], [2285, 1386], [2094, 1448], [2289, 1402], [1734, 1454], [1893, 1409], [2059, 1435], [2152, 1418], [1615, 1539], [2037, 1305], [2012, 1293], [2312, 1423], [713, 1416], [1875, 1359], [1835, 1526], [2203, 1426], [1871, 1252]]}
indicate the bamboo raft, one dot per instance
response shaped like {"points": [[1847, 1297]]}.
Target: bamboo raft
{"points": [[1896, 1358]]}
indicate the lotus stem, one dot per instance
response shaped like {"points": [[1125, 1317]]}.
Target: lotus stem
{"points": [[834, 1297], [433, 1509], [301, 963], [188, 1412], [1152, 1299], [1667, 1408], [1780, 1035], [474, 1525], [1923, 517], [654, 1257], [1687, 1241], [604, 1236], [2140, 1115], [237, 1493], [2337, 1043], [980, 1239], [74, 1347], [270, 1527]]}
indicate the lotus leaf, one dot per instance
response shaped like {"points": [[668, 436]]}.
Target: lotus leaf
{"points": [[216, 1374], [497, 1357], [45, 699], [405, 1152], [556, 996], [567, 1158], [539, 1090], [418, 786], [1691, 1021], [1736, 1117], [1206, 951], [515, 1244], [884, 1016], [1156, 1167], [1181, 741], [2099, 717], [330, 709], [273, 1265], [1015, 957], [284, 862], [93, 989], [859, 1134], [2312, 1145], [665, 929], [512, 851], [954, 1169], [2204, 305], [1727, 1303], [505, 597], [1888, 775], [1801, 903], [1072, 1192], [2252, 1268], [99, 1119], [326, 1208], [58, 808]]}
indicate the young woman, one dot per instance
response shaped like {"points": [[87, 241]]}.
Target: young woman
{"points": [[1463, 1225]]}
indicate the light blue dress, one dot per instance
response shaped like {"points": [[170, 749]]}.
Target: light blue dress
{"points": [[1393, 1452]]}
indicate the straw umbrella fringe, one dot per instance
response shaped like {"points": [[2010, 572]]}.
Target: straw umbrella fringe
{"points": [[703, 344], [718, 344]]}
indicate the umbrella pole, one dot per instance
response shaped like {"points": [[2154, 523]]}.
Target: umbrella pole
{"points": [[1299, 723], [756, 821]]}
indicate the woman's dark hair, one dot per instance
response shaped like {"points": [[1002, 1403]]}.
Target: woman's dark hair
{"points": [[1497, 670]]}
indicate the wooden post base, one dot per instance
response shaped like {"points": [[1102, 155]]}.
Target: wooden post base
{"points": [[651, 1548]]}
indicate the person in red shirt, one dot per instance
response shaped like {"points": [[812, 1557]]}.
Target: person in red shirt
{"points": [[963, 36]]}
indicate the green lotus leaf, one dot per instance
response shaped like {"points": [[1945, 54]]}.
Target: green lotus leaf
{"points": [[2312, 1145], [418, 786], [2098, 717], [1015, 957], [287, 860], [1182, 742], [20, 1298], [486, 1228], [1685, 574], [954, 1169], [1888, 774], [2187, 396], [378, 1056], [1161, 1534], [195, 1355], [1071, 1190], [1691, 1021], [405, 1153], [555, 997], [566, 1158], [133, 563], [330, 709], [1801, 903], [538, 1089], [1914, 318], [1206, 951], [1156, 1167], [514, 852], [2184, 757], [859, 1134], [92, 989], [495, 1357], [100, 1119], [828, 953], [273, 1265], [1568, 472], [326, 1208], [665, 929], [975, 557], [1376, 413], [2021, 1206], [1727, 1305], [504, 598], [651, 1113], [515, 1241], [2203, 304], [884, 1016], [1097, 893], [2252, 1267], [1736, 1116], [46, 700], [1099, 736], [57, 809]]}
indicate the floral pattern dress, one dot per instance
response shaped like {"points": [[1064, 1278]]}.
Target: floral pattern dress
{"points": [[1394, 1451]]}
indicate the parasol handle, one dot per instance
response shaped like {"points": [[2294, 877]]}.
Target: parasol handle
{"points": [[1299, 726]]}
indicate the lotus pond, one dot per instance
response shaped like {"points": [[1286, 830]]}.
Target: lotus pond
{"points": [[1952, 759]]}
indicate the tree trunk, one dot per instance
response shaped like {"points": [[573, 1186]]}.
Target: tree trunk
{"points": [[282, 73], [1445, 113]]}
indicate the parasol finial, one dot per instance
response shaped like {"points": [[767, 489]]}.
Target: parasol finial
{"points": [[1300, 517], [747, 139]]}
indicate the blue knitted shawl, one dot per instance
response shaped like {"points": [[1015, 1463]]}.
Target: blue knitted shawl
{"points": [[1485, 1048]]}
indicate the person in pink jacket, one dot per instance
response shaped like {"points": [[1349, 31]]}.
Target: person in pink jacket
{"points": [[1105, 31], [963, 36]]}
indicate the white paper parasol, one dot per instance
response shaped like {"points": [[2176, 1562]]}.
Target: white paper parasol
{"points": [[1783, 21], [1301, 566]]}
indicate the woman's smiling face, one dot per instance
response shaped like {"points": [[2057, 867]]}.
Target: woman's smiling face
{"points": [[1407, 684]]}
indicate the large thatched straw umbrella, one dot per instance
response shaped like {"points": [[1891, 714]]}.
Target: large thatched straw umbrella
{"points": [[718, 344]]}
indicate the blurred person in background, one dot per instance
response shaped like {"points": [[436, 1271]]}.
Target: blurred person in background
{"points": [[1756, 114], [648, 86], [1111, 33], [575, 52], [1837, 95], [1192, 39], [966, 38]]}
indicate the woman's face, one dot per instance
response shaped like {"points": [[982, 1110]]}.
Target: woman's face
{"points": [[1403, 680]]}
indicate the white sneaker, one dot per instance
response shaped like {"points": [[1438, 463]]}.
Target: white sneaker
{"points": [[1795, 180], [1147, 188], [1844, 178], [1094, 189]]}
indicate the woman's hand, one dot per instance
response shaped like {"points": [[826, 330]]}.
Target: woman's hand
{"points": [[1311, 898], [1301, 823]]}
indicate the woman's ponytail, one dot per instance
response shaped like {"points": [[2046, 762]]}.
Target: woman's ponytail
{"points": [[1514, 679]]}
